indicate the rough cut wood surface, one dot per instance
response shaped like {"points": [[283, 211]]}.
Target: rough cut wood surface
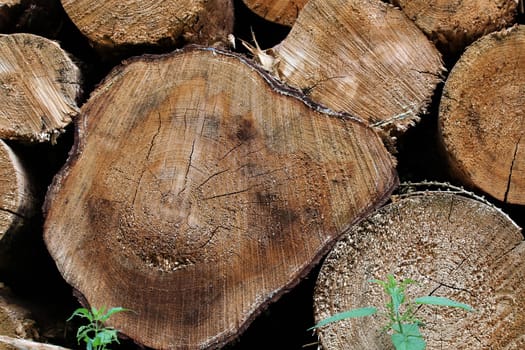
{"points": [[279, 11], [455, 24], [16, 198], [15, 318], [199, 191], [364, 57], [482, 115], [115, 25], [455, 247], [39, 88]]}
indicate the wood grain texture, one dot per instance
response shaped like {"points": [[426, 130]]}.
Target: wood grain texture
{"points": [[481, 116], [453, 25], [364, 57], [17, 202], [200, 190], [39, 88], [279, 11], [455, 247], [118, 25]]}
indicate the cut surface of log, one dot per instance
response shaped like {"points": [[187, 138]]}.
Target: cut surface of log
{"points": [[454, 247], [453, 24], [113, 25], [199, 190], [15, 318], [363, 57], [279, 11], [16, 198], [482, 115], [39, 88]]}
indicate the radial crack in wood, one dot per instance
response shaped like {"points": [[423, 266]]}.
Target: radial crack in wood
{"points": [[363, 57], [453, 24], [115, 26], [482, 114], [200, 190], [455, 247], [39, 88]]}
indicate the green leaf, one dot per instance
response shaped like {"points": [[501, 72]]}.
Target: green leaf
{"points": [[110, 312], [441, 301], [81, 312], [354, 313], [408, 337]]}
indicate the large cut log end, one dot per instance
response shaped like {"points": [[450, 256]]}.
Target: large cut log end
{"points": [[482, 113], [454, 247], [200, 190], [364, 57]]}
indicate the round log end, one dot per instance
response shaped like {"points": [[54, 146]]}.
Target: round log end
{"points": [[39, 88], [481, 116]]}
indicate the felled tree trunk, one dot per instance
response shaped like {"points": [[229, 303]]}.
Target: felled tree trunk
{"points": [[17, 202], [200, 190], [363, 57], [15, 319], [39, 88], [114, 26], [481, 116], [279, 11], [453, 24], [455, 247]]}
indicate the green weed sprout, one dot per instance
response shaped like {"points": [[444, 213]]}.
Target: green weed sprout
{"points": [[404, 326], [95, 334]]}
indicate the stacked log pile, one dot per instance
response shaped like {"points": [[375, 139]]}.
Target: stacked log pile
{"points": [[210, 163]]}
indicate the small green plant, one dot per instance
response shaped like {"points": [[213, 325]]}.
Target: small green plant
{"points": [[95, 334], [402, 323]]}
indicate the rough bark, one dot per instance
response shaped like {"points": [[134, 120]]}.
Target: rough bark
{"points": [[16, 196], [39, 88], [453, 25], [119, 25], [279, 11], [481, 116], [200, 190], [364, 57], [455, 247]]}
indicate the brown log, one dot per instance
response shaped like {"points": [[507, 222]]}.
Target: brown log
{"points": [[481, 116], [364, 57], [39, 88], [120, 25], [17, 202], [200, 190], [279, 11], [453, 25], [455, 247], [15, 318]]}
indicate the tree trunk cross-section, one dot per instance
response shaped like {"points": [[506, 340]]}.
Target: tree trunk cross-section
{"points": [[199, 190], [455, 247], [454, 24], [16, 199], [39, 88], [482, 116], [116, 25], [364, 57]]}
